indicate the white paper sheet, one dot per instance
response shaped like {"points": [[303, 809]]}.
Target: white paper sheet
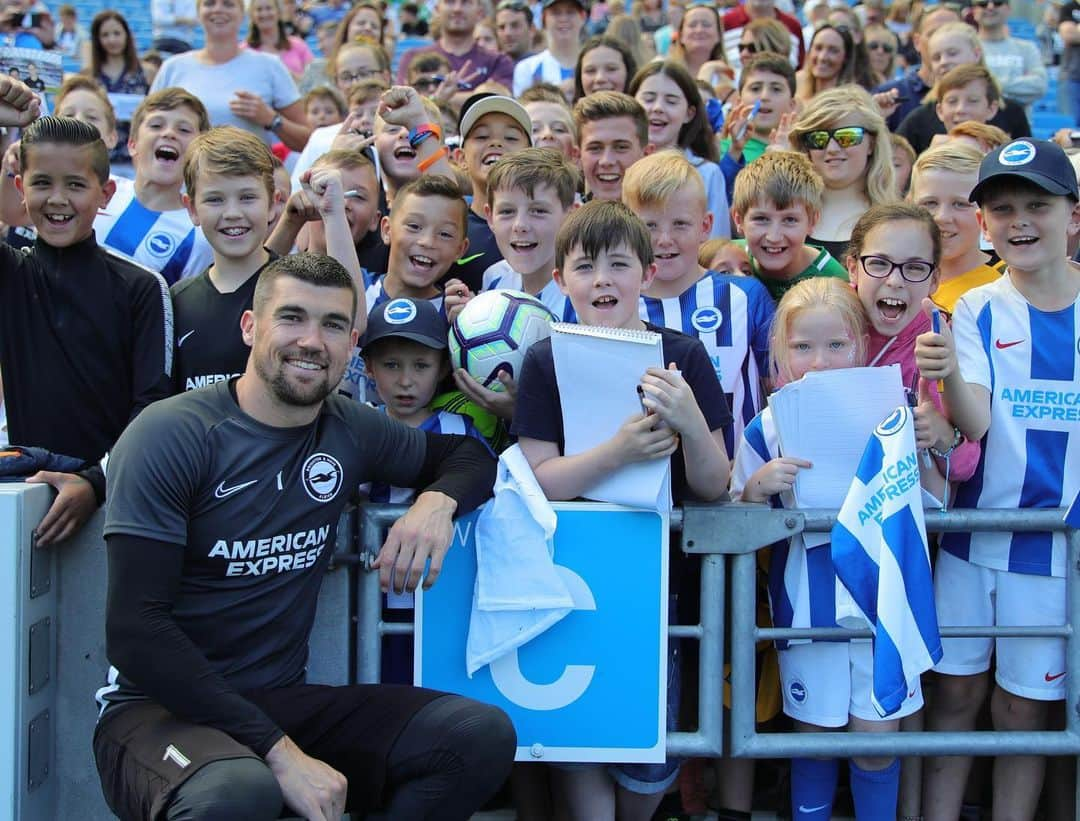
{"points": [[598, 371], [827, 418]]}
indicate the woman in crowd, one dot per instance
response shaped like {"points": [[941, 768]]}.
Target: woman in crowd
{"points": [[267, 33], [882, 46], [845, 137], [115, 64], [700, 39], [830, 62], [240, 87]]}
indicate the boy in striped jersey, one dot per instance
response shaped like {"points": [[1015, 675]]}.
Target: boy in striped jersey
{"points": [[405, 356], [1011, 368], [731, 315], [146, 219]]}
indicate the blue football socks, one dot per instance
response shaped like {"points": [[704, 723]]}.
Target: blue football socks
{"points": [[875, 791], [813, 786]]}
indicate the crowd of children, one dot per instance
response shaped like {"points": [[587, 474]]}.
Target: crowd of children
{"points": [[778, 239]]}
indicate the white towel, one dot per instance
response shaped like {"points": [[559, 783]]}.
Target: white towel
{"points": [[519, 593]]}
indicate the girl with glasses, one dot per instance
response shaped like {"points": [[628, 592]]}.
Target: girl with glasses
{"points": [[844, 135]]}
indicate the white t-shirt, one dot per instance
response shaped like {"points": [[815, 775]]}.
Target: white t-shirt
{"points": [[261, 74]]}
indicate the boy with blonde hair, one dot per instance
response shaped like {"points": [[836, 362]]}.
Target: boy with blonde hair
{"points": [[776, 204], [229, 177], [552, 119], [941, 182], [613, 134], [731, 315]]}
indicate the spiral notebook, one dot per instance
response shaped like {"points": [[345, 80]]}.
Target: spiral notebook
{"points": [[598, 371]]}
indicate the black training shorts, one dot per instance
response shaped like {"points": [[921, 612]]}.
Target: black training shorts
{"points": [[144, 753]]}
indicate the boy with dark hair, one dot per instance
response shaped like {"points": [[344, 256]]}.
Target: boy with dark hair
{"points": [[767, 81], [324, 106], [491, 126], [146, 219], [301, 223], [530, 195], [426, 233], [612, 134], [84, 345], [1009, 365], [604, 259], [776, 203]]}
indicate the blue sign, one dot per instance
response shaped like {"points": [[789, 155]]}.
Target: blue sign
{"points": [[594, 686]]}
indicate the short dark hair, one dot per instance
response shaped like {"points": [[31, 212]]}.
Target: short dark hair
{"points": [[530, 168], [599, 226], [767, 61], [169, 99], [66, 131], [314, 269], [435, 185]]}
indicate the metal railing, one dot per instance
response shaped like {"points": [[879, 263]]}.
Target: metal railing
{"points": [[738, 530]]}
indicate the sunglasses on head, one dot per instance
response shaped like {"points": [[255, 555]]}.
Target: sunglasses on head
{"points": [[846, 137], [512, 5], [875, 45], [982, 4]]}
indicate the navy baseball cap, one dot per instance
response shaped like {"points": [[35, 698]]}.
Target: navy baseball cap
{"points": [[415, 319], [1038, 161], [547, 4]]}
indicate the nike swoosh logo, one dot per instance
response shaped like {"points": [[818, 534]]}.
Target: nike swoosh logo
{"points": [[1003, 345], [221, 491], [467, 260], [1049, 677], [812, 809], [180, 341]]}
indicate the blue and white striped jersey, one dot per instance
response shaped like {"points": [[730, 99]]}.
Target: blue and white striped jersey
{"points": [[1029, 360], [732, 316], [440, 422], [802, 582], [356, 384], [163, 241], [501, 276]]}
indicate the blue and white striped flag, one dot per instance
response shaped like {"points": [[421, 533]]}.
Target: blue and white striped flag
{"points": [[881, 558]]}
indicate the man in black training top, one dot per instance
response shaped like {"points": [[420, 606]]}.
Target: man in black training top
{"points": [[223, 503]]}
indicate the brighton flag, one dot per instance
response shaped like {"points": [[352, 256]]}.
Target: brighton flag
{"points": [[882, 562]]}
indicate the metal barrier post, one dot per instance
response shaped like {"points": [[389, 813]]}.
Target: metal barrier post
{"points": [[374, 520]]}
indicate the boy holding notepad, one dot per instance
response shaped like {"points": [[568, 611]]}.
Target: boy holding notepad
{"points": [[603, 261]]}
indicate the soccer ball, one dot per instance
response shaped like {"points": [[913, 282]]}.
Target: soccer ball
{"points": [[493, 332]]}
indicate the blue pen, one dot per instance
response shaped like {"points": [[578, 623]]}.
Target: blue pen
{"points": [[935, 326], [753, 113]]}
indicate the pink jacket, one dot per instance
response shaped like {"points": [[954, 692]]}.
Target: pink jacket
{"points": [[900, 350]]}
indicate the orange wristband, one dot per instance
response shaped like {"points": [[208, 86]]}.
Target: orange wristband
{"points": [[424, 165]]}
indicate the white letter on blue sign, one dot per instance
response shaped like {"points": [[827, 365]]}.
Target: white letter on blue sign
{"points": [[567, 688]]}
